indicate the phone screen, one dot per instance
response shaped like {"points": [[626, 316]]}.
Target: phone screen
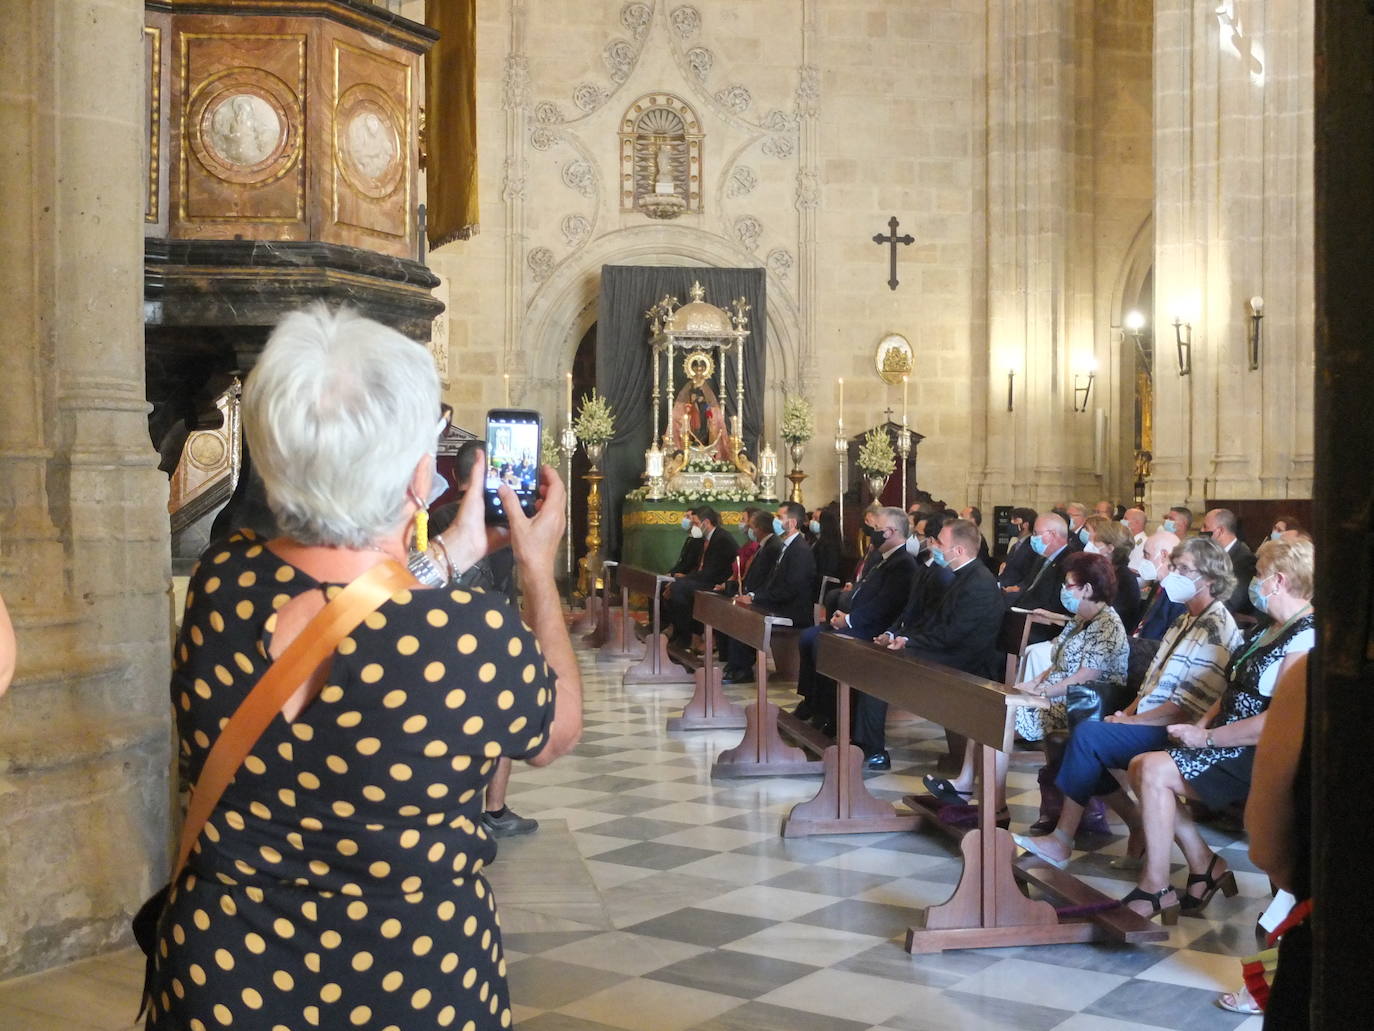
{"points": [[513, 447]]}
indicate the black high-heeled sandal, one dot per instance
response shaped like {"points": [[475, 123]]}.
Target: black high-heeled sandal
{"points": [[1167, 914], [1226, 883]]}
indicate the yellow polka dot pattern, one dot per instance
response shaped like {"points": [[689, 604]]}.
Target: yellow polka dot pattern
{"points": [[333, 887]]}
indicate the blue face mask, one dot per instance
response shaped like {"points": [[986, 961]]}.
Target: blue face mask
{"points": [[938, 557], [777, 526], [1084, 535], [1037, 544], [816, 527], [1069, 601], [686, 524], [750, 534], [1260, 601], [1276, 535], [1169, 526]]}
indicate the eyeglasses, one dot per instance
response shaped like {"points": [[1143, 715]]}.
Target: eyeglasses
{"points": [[1188, 571]]}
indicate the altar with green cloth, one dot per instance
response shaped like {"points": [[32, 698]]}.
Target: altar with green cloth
{"points": [[652, 534]]}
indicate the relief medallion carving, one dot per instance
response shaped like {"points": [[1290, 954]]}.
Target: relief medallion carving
{"points": [[636, 18], [541, 262], [367, 141], [686, 21], [243, 126], [735, 99], [742, 181], [701, 61], [748, 229]]}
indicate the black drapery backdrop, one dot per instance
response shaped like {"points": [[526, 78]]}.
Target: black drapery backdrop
{"points": [[624, 368]]}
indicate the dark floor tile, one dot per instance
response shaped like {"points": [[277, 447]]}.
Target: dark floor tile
{"points": [[798, 850], [652, 855], [760, 1016], [1230, 939], [547, 983], [939, 970], [595, 751], [756, 821], [605, 782], [622, 805], [925, 843], [732, 973], [637, 828], [863, 918], [827, 880], [1101, 957], [1171, 1006], [706, 927]]}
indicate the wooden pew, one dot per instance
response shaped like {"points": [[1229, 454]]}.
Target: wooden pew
{"points": [[709, 708], [1014, 637], [655, 667], [987, 908], [761, 751], [615, 637], [600, 611]]}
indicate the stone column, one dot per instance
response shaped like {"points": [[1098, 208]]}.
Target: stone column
{"points": [[84, 744], [1233, 123]]}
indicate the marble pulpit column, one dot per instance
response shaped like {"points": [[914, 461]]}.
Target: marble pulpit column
{"points": [[84, 742]]}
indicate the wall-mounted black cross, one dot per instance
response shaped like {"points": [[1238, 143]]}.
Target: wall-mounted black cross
{"points": [[893, 240]]}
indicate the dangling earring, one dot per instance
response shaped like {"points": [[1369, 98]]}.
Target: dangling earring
{"points": [[421, 523]]}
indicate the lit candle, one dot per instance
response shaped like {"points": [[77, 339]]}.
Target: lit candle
{"points": [[569, 375], [839, 418], [506, 378], [904, 401]]}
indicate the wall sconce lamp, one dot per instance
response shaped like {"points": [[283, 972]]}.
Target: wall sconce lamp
{"points": [[1183, 335], [1256, 317], [1011, 389], [1083, 388]]}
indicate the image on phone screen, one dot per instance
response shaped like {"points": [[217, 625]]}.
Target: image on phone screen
{"points": [[512, 459]]}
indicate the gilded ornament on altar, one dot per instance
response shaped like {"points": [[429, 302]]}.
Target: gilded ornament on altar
{"points": [[894, 358]]}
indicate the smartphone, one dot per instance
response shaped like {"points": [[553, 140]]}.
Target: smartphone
{"points": [[514, 439]]}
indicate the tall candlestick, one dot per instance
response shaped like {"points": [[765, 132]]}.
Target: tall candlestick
{"points": [[506, 378], [839, 419], [904, 400], [569, 375]]}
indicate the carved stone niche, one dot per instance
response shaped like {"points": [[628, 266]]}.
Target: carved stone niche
{"points": [[660, 157]]}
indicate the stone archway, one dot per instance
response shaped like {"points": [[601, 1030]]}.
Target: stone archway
{"points": [[565, 306]]}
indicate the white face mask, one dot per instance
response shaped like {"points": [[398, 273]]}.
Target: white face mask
{"points": [[1179, 588], [696, 532], [1145, 569], [913, 546], [1104, 550]]}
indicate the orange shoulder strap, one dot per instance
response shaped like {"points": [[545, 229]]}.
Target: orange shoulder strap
{"points": [[315, 643]]}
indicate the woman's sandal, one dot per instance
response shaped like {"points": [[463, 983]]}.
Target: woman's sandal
{"points": [[1226, 883], [1239, 1002], [1166, 914], [944, 791]]}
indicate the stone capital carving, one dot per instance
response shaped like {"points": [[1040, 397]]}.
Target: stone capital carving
{"points": [[808, 98]]}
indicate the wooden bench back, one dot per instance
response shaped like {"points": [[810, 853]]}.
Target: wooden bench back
{"points": [[747, 624], [639, 581], [972, 706]]}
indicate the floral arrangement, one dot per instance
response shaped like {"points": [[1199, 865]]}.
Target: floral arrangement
{"points": [[798, 421], [694, 496], [595, 423], [876, 457], [549, 452], [708, 465]]}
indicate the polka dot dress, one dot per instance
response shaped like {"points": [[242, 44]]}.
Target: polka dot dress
{"points": [[338, 883]]}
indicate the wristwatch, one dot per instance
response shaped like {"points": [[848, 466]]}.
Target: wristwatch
{"points": [[1210, 743]]}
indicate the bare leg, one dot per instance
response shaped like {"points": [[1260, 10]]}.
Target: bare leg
{"points": [[1156, 780], [966, 777], [496, 787], [1121, 803]]}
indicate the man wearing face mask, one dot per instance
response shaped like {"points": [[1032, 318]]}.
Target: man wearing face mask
{"points": [[1134, 522], [1021, 557], [739, 658], [690, 555], [713, 566], [837, 600], [1040, 589], [1157, 611], [928, 582], [1177, 521], [959, 631], [1220, 525], [874, 604], [1077, 513], [787, 589]]}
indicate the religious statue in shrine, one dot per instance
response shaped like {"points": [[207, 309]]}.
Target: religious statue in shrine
{"points": [[698, 420]]}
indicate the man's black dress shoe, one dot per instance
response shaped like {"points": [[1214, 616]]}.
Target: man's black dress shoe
{"points": [[738, 676], [803, 710], [878, 761]]}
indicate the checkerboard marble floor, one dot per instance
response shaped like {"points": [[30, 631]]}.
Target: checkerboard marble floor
{"points": [[657, 899]]}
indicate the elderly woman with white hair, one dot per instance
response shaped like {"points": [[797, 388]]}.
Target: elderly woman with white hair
{"points": [[338, 881]]}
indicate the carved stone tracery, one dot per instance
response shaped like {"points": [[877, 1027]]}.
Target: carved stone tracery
{"points": [[660, 141]]}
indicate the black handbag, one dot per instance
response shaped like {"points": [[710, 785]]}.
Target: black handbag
{"points": [[1095, 700]]}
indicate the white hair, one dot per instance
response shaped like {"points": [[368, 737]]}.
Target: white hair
{"points": [[337, 412]]}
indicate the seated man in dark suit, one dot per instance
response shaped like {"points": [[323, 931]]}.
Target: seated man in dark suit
{"points": [[1220, 525], [690, 556], [1021, 558], [787, 589], [876, 602], [1157, 612], [928, 581], [739, 658], [975, 515], [837, 598], [714, 566], [1040, 589]]}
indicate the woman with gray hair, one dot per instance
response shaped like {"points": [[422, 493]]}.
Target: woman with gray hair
{"points": [[338, 881], [1187, 675]]}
